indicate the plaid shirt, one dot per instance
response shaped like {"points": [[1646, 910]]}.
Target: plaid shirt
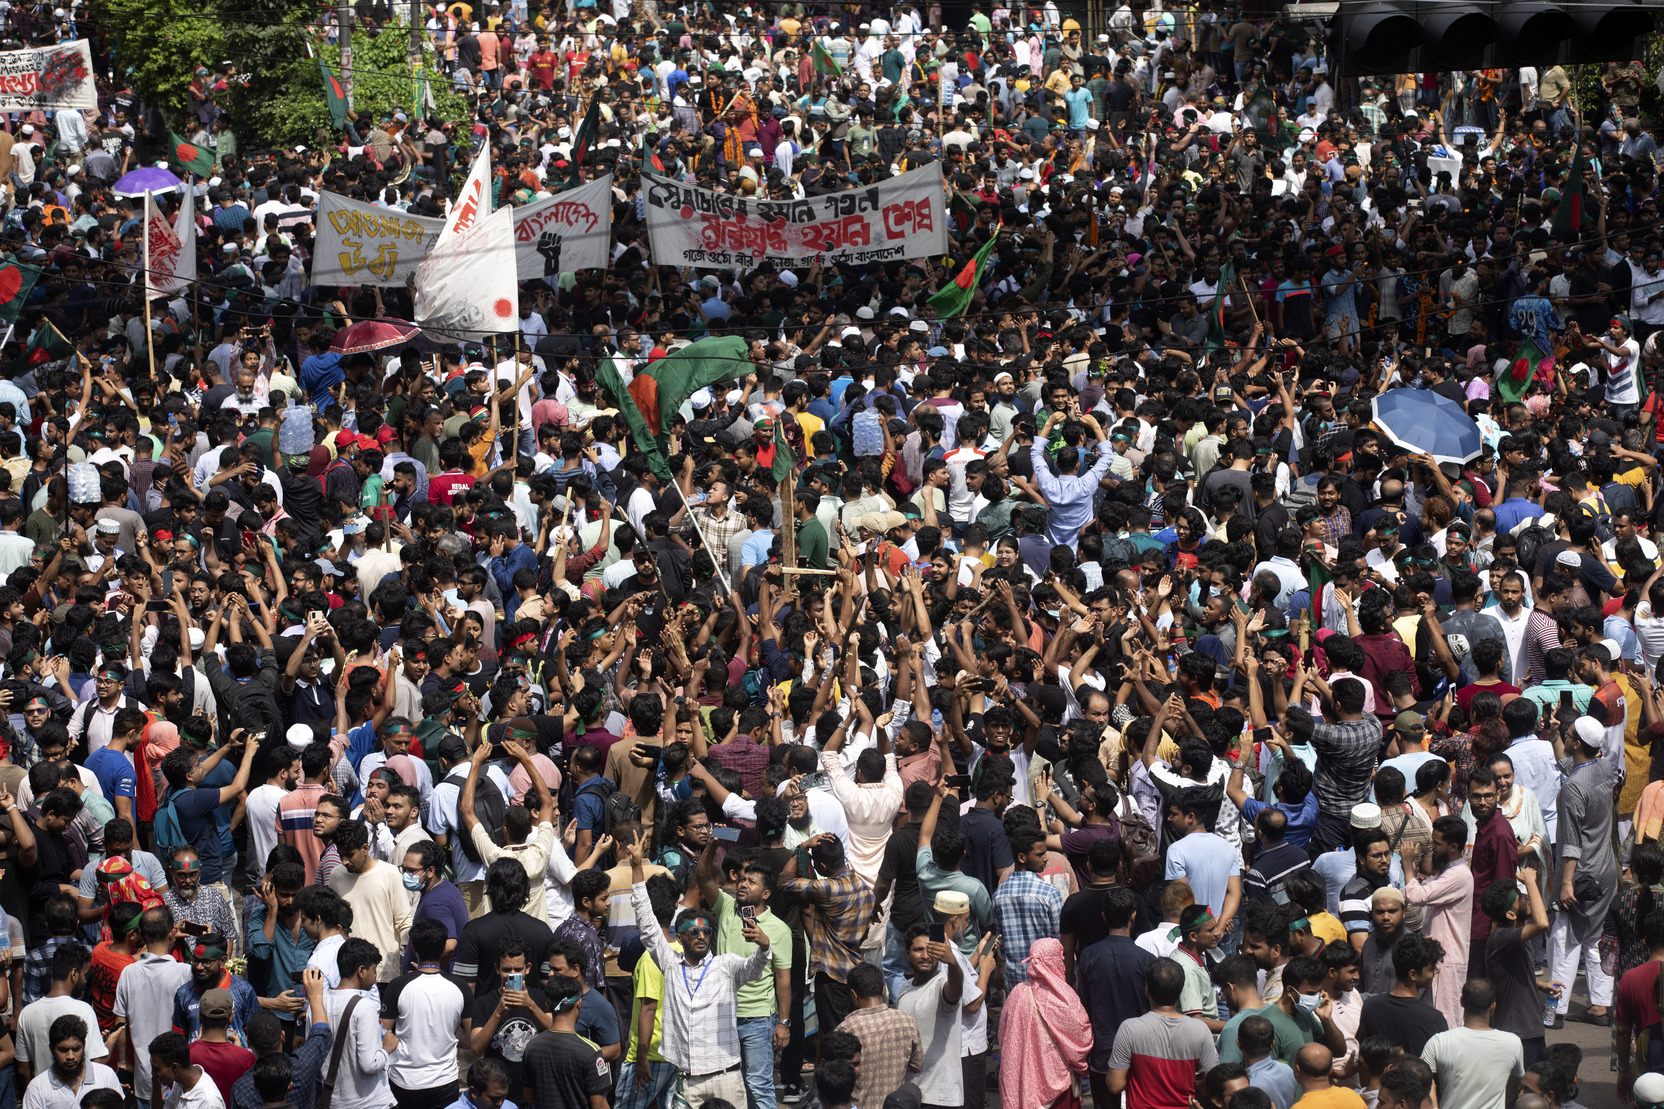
{"points": [[745, 757], [37, 968], [719, 531], [890, 1051], [1026, 911], [843, 905], [210, 910], [1346, 754]]}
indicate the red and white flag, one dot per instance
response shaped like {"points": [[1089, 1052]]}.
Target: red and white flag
{"points": [[467, 287], [473, 203], [169, 249]]}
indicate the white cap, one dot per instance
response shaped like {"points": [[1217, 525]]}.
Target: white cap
{"points": [[108, 526], [1590, 732], [1366, 815], [299, 735], [863, 313], [788, 279], [197, 639], [702, 398], [1306, 134], [850, 332], [1648, 1090]]}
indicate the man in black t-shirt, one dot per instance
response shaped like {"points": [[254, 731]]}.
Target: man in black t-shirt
{"points": [[561, 1069], [506, 1021], [1400, 1015]]}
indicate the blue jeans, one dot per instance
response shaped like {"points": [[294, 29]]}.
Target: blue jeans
{"points": [[757, 1058], [895, 961], [657, 1094]]}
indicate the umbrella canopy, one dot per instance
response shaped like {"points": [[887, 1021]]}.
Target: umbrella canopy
{"points": [[1425, 422], [371, 335], [154, 178]]}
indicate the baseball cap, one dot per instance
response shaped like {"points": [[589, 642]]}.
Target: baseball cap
{"points": [[216, 1005]]}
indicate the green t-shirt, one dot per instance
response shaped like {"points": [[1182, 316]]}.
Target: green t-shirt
{"points": [[370, 498], [1292, 1034], [755, 999]]}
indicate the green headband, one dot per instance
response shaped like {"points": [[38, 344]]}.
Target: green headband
{"points": [[130, 925], [522, 733], [696, 922], [596, 634]]}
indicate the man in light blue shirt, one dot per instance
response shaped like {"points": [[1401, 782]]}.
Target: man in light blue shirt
{"points": [[1079, 100], [1068, 492]]}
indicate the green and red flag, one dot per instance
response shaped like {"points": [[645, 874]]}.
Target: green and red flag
{"points": [[48, 345], [1574, 199], [641, 432], [1216, 310], [1318, 576], [658, 390], [196, 159], [823, 60], [17, 281], [785, 459], [950, 300], [336, 94], [583, 142]]}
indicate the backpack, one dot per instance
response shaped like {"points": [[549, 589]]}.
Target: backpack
{"points": [[616, 808], [1618, 496], [1529, 542], [1141, 862], [489, 807], [1302, 492], [166, 831]]}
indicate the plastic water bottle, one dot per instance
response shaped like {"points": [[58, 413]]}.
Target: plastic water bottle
{"points": [[936, 721], [1551, 1007], [294, 433], [869, 433]]}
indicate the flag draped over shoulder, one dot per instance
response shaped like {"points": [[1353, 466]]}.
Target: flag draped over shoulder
{"points": [[785, 459], [951, 300], [1216, 310], [335, 94], [1318, 576], [660, 388]]}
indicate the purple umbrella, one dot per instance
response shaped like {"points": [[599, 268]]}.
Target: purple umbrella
{"points": [[157, 179]]}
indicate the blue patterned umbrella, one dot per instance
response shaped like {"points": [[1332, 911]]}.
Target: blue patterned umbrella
{"points": [[1425, 422]]}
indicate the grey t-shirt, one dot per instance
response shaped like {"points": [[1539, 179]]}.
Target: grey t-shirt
{"points": [[940, 1082], [1472, 1067]]}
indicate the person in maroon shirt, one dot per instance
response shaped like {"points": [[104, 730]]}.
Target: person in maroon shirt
{"points": [[1495, 853], [219, 1058]]}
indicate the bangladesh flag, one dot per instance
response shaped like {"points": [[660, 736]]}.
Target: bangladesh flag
{"points": [[785, 461], [1568, 218], [583, 142], [1216, 310], [951, 300], [17, 281], [196, 159], [48, 345], [641, 433], [336, 94], [824, 61], [1318, 575]]}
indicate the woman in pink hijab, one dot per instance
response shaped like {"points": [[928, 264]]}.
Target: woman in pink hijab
{"points": [[1045, 1036], [159, 738]]}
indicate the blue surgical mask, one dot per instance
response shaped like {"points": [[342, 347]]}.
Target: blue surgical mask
{"points": [[412, 882], [1310, 1001]]}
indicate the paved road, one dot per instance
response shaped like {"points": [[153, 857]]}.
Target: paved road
{"points": [[1596, 1086]]}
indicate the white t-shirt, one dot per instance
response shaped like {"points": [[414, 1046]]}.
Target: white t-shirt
{"points": [[1622, 384], [262, 824]]}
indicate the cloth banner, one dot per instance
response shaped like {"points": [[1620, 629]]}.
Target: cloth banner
{"points": [[47, 78], [164, 253], [900, 218], [467, 288], [474, 201], [366, 244], [568, 231]]}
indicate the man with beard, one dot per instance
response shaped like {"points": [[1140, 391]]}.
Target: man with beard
{"points": [[1495, 856], [1386, 918], [326, 818], [188, 900], [72, 1075], [206, 955], [70, 965]]}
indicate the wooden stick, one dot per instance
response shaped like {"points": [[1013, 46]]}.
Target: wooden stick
{"points": [[149, 338]]}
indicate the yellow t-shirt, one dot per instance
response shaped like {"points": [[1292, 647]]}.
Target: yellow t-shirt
{"points": [[810, 424], [649, 984]]}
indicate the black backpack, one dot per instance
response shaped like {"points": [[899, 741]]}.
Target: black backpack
{"points": [[1528, 544], [616, 808], [489, 808]]}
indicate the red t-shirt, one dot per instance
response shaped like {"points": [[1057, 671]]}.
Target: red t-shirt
{"points": [[107, 965], [443, 487], [1638, 997], [224, 1063]]}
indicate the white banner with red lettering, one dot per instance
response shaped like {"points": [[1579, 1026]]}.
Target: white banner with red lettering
{"points": [[569, 231], [466, 287], [903, 217], [47, 78]]}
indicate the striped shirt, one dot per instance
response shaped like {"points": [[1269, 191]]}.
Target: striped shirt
{"points": [[1542, 635], [294, 825]]}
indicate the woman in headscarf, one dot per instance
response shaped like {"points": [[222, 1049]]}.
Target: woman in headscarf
{"points": [[160, 737], [1045, 1036], [120, 882]]}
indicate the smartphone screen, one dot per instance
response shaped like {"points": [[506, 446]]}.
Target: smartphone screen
{"points": [[1262, 735], [725, 833], [514, 981], [938, 933], [959, 781], [191, 928]]}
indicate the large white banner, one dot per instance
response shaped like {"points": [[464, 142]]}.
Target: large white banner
{"points": [[467, 287], [47, 78], [569, 231], [365, 244], [474, 201], [170, 252], [903, 217]]}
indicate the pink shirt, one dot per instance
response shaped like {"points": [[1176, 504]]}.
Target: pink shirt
{"points": [[489, 49]]}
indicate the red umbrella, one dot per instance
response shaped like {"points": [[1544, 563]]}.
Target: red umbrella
{"points": [[371, 335]]}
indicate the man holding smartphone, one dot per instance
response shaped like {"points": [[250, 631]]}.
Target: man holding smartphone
{"points": [[764, 1005]]}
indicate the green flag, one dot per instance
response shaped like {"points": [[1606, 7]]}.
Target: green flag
{"points": [[335, 94], [196, 159], [825, 62], [1216, 310], [785, 461], [48, 345], [950, 300], [583, 142], [1318, 575], [1574, 198], [17, 280], [608, 378]]}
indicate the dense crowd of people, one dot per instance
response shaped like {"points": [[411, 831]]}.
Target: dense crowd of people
{"points": [[1079, 690]]}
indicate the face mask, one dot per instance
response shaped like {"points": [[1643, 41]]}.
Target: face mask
{"points": [[1310, 1001], [412, 882]]}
